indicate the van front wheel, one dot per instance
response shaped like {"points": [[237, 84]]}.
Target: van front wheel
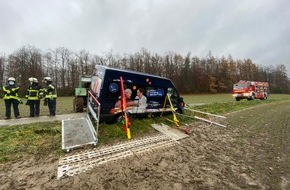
{"points": [[179, 111], [118, 118]]}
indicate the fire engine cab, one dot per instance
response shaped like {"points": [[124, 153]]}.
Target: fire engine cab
{"points": [[250, 90]]}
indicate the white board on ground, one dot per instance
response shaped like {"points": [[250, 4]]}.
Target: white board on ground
{"points": [[174, 134]]}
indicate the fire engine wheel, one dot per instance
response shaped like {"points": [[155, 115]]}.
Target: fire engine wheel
{"points": [[265, 97], [79, 104], [253, 97]]}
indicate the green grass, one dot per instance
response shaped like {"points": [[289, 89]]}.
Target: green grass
{"points": [[217, 106], [41, 139], [64, 105], [214, 98], [115, 132], [226, 107]]}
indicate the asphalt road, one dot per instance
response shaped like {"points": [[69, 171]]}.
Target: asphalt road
{"points": [[22, 121]]}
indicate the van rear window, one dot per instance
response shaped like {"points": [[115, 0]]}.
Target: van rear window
{"points": [[96, 85]]}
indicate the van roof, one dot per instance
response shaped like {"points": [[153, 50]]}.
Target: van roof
{"points": [[130, 71]]}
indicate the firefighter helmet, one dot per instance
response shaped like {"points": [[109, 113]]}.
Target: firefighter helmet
{"points": [[32, 79], [47, 79], [11, 79]]}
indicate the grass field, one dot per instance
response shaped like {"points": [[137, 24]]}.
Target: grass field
{"points": [[45, 138], [218, 98], [251, 152], [65, 105]]}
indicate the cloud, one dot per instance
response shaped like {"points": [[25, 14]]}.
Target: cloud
{"points": [[244, 28]]}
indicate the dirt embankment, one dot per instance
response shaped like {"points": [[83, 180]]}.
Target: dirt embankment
{"points": [[251, 153]]}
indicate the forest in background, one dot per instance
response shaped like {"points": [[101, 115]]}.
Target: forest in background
{"points": [[190, 74]]}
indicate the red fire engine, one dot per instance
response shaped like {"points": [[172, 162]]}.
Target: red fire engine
{"points": [[250, 90]]}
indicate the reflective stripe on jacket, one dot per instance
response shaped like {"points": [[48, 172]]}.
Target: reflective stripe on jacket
{"points": [[50, 92], [11, 92], [33, 92]]}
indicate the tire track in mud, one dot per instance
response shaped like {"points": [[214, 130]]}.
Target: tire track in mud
{"points": [[265, 143]]}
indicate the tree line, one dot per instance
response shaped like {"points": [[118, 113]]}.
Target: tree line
{"points": [[190, 74]]}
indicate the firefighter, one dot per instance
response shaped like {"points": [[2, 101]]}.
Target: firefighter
{"points": [[11, 97], [50, 95], [33, 97]]}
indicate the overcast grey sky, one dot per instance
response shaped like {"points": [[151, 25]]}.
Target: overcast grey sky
{"points": [[255, 29]]}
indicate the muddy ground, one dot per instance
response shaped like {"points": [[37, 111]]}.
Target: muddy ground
{"points": [[252, 152]]}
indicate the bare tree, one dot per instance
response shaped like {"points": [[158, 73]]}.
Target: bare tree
{"points": [[206, 75], [3, 64]]}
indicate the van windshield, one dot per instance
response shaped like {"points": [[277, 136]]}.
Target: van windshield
{"points": [[172, 92]]}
